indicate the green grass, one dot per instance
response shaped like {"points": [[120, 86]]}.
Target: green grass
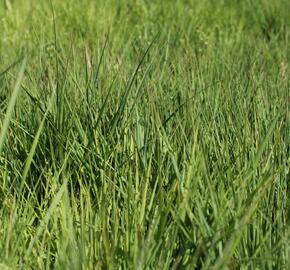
{"points": [[144, 134]]}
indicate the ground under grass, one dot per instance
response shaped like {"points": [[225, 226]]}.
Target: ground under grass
{"points": [[144, 134]]}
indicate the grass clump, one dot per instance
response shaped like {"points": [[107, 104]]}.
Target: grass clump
{"points": [[139, 135]]}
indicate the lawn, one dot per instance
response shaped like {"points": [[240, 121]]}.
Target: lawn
{"points": [[142, 134]]}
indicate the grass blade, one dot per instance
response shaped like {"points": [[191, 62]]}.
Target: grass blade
{"points": [[11, 104]]}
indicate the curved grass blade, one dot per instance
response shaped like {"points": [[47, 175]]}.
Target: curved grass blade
{"points": [[33, 148], [11, 104], [118, 115]]}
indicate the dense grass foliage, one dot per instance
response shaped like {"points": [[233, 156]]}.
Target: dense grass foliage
{"points": [[144, 134]]}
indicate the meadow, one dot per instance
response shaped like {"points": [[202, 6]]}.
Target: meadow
{"points": [[144, 134]]}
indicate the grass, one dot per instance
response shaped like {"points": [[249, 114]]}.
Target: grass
{"points": [[144, 134]]}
